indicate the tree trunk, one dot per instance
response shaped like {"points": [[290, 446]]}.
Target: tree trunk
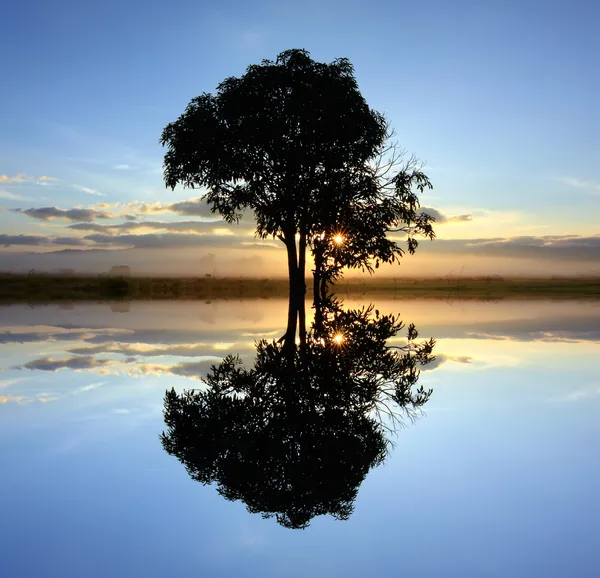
{"points": [[318, 275], [290, 245], [301, 286]]}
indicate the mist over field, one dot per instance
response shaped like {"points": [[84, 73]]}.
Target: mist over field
{"points": [[256, 263]]}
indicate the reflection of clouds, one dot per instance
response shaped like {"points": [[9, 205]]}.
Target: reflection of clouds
{"points": [[131, 367], [22, 400], [37, 333], [188, 353], [163, 337], [150, 350], [442, 358], [74, 363], [543, 336], [4, 383], [443, 218], [592, 392], [189, 370], [544, 329]]}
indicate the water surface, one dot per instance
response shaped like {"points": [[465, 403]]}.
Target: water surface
{"points": [[498, 477]]}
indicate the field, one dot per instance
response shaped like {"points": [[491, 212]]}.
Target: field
{"points": [[46, 288]]}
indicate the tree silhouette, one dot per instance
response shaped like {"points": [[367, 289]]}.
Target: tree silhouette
{"points": [[295, 435], [356, 228], [294, 141]]}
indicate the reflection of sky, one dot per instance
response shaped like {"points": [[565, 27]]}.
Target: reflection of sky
{"points": [[498, 479]]}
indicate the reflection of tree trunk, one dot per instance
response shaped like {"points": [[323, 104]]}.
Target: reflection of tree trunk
{"points": [[323, 289], [318, 275], [302, 265], [302, 321], [302, 286]]}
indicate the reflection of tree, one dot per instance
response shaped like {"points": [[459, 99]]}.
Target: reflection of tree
{"points": [[294, 436]]}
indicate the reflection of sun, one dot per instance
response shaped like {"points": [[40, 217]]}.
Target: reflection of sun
{"points": [[338, 338], [338, 239]]}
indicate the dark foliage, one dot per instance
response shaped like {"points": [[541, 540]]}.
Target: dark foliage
{"points": [[294, 436], [294, 141]]}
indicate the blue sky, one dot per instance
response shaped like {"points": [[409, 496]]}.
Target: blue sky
{"points": [[497, 97]]}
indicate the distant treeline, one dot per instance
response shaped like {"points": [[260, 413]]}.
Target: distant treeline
{"points": [[48, 287]]}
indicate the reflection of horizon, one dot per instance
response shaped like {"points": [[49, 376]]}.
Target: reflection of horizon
{"points": [[295, 435], [182, 340], [180, 322], [173, 338]]}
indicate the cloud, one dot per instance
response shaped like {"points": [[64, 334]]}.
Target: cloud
{"points": [[49, 213], [441, 218], [39, 240], [199, 227], [121, 167], [196, 207], [189, 207], [14, 398], [580, 184], [74, 363], [89, 387], [579, 395], [23, 177], [167, 240], [91, 227], [89, 191], [12, 197], [22, 400], [551, 247]]}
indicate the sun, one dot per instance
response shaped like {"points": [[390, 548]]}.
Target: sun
{"points": [[338, 338], [338, 239]]}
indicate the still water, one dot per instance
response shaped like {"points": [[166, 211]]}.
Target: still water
{"points": [[496, 475]]}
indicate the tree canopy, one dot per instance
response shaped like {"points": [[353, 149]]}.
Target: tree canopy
{"points": [[294, 141]]}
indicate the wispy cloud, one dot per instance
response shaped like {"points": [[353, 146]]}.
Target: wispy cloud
{"points": [[21, 400], [89, 191], [579, 395], [89, 387], [576, 183], [12, 197]]}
